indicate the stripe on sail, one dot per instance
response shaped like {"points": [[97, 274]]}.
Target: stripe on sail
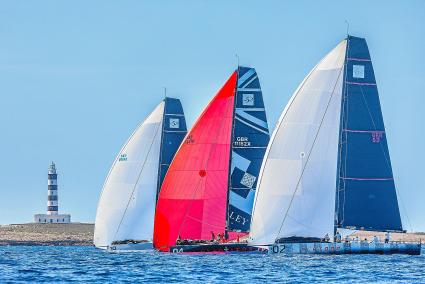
{"points": [[364, 162], [249, 141], [193, 197]]}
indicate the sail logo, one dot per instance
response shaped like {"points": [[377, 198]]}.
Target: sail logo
{"points": [[189, 140], [248, 180], [174, 123], [242, 142], [248, 99], [358, 71], [376, 136], [237, 218], [123, 157]]}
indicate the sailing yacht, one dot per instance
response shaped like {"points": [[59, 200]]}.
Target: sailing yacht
{"points": [[125, 213], [206, 199], [327, 167]]}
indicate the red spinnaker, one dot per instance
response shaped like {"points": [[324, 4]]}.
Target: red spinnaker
{"points": [[193, 197]]}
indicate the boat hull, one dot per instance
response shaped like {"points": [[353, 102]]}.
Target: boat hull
{"points": [[131, 247], [216, 248], [344, 248]]}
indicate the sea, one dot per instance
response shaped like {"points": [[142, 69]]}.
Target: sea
{"points": [[50, 264]]}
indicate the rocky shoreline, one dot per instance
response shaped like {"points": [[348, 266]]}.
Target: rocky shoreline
{"points": [[31, 234], [81, 234]]}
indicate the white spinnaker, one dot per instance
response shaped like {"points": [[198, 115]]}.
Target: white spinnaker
{"points": [[127, 203], [296, 187]]}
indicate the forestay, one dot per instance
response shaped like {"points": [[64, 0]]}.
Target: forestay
{"points": [[296, 188]]}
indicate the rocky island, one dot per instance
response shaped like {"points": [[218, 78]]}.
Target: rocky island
{"points": [[73, 234]]}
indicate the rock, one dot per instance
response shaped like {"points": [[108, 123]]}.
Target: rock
{"points": [[73, 234]]}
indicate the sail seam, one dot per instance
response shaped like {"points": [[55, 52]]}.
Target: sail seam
{"points": [[200, 179], [138, 178], [272, 138], [366, 179], [309, 152]]}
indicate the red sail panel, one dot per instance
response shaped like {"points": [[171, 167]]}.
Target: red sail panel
{"points": [[193, 197]]}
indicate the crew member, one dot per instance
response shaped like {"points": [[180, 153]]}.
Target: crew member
{"points": [[337, 237], [327, 239], [387, 237]]}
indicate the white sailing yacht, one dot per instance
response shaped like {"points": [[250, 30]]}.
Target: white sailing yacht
{"points": [[125, 213], [327, 166]]}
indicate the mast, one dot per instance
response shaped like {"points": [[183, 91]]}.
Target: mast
{"points": [[158, 184], [232, 137], [341, 141]]}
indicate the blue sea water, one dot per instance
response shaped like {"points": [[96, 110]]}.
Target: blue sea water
{"points": [[88, 264]]}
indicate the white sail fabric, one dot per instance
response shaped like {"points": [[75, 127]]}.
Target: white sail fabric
{"points": [[297, 181], [127, 203]]}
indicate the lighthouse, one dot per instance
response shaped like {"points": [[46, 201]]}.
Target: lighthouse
{"points": [[52, 215], [52, 191]]}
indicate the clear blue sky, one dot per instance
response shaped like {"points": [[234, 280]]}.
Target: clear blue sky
{"points": [[76, 77]]}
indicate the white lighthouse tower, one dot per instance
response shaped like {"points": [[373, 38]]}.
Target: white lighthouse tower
{"points": [[52, 191], [52, 215]]}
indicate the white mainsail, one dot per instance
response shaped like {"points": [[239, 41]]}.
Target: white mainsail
{"points": [[297, 181], [127, 203]]}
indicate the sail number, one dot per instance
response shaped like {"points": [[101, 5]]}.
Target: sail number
{"points": [[242, 142], [278, 249]]}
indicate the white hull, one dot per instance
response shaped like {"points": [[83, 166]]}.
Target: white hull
{"points": [[131, 247], [344, 248]]}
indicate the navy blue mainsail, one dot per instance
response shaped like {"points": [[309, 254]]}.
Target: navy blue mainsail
{"points": [[250, 137], [174, 130], [366, 195]]}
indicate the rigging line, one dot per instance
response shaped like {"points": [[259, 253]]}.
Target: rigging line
{"points": [[344, 121], [138, 177], [123, 147], [346, 140], [309, 152], [159, 181], [260, 174], [199, 181], [375, 128], [388, 163], [301, 223], [117, 158], [232, 138], [346, 134]]}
